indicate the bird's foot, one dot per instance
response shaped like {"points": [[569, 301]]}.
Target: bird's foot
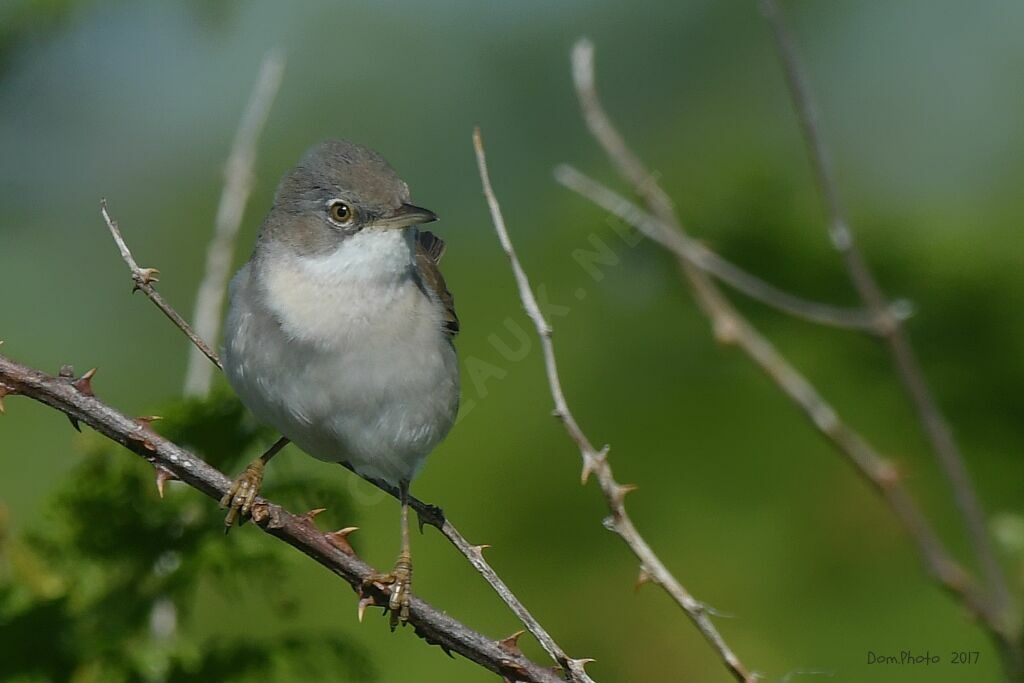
{"points": [[400, 582], [240, 497]]}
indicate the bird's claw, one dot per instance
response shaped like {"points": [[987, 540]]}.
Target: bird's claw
{"points": [[399, 602], [240, 497], [400, 583]]}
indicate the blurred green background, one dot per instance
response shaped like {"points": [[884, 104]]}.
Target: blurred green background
{"points": [[755, 513]]}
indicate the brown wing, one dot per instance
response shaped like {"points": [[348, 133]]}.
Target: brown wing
{"points": [[429, 250]]}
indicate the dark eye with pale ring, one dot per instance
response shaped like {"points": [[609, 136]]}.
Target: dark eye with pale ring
{"points": [[340, 212]]}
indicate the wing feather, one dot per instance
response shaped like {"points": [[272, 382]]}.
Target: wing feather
{"points": [[429, 250]]}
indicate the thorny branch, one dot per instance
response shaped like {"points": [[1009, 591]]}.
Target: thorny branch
{"points": [[238, 177], [904, 359], [595, 461], [731, 327], [428, 514], [144, 279], [75, 399], [432, 515]]}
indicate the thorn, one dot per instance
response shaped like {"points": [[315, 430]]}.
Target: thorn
{"points": [[145, 424], [363, 604], [310, 516], [511, 644], [643, 577], [339, 539], [432, 515], [619, 494], [84, 383], [582, 662], [144, 276], [73, 420], [591, 462], [479, 549], [163, 475], [588, 469]]}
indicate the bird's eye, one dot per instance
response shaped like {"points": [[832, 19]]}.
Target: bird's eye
{"points": [[340, 212]]}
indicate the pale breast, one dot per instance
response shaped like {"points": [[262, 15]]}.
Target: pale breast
{"points": [[363, 287], [344, 354]]}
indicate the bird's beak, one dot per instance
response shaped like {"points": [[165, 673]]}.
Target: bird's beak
{"points": [[404, 216]]}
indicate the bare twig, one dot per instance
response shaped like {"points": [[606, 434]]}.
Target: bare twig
{"points": [[934, 423], [433, 625], [595, 460], [238, 178], [731, 327], [432, 515], [700, 256], [574, 668], [144, 279]]}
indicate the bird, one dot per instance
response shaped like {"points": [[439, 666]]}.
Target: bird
{"points": [[340, 332]]}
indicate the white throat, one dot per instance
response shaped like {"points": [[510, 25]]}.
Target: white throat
{"points": [[324, 298], [367, 255]]}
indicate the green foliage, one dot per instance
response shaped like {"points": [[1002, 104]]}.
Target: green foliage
{"points": [[105, 584]]}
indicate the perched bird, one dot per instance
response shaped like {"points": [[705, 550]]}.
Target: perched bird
{"points": [[340, 330]]}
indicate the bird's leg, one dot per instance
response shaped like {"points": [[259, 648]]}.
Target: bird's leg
{"points": [[399, 603], [400, 578], [240, 497]]}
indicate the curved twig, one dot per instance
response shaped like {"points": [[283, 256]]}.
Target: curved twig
{"points": [[595, 460], [434, 516], [701, 257], [143, 279]]}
